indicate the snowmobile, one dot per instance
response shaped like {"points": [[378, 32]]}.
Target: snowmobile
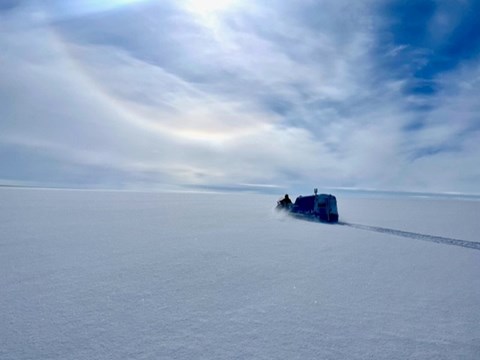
{"points": [[321, 207]]}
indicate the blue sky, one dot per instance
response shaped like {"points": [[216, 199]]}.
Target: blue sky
{"points": [[230, 94]]}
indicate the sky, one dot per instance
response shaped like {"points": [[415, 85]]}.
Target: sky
{"points": [[241, 95]]}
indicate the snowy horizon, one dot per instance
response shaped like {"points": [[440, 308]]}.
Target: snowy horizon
{"points": [[259, 190], [229, 94]]}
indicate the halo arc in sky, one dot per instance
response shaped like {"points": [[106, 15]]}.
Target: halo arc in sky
{"points": [[128, 111]]}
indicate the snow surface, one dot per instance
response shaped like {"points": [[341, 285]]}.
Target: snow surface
{"points": [[125, 275]]}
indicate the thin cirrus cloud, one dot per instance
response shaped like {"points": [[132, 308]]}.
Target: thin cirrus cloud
{"points": [[239, 94]]}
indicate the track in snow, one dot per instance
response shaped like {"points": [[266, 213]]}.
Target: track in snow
{"points": [[417, 236]]}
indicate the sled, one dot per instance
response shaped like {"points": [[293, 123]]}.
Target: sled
{"points": [[322, 207]]}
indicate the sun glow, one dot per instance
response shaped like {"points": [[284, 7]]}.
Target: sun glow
{"points": [[207, 7]]}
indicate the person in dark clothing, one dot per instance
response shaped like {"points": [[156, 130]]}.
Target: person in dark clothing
{"points": [[285, 202]]}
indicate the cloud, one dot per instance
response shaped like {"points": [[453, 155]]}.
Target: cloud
{"points": [[285, 95]]}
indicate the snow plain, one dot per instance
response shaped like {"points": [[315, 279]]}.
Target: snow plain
{"points": [[130, 275]]}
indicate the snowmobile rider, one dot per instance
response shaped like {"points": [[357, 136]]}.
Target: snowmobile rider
{"points": [[285, 202]]}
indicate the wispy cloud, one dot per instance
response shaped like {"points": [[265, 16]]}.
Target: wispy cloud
{"points": [[291, 94]]}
